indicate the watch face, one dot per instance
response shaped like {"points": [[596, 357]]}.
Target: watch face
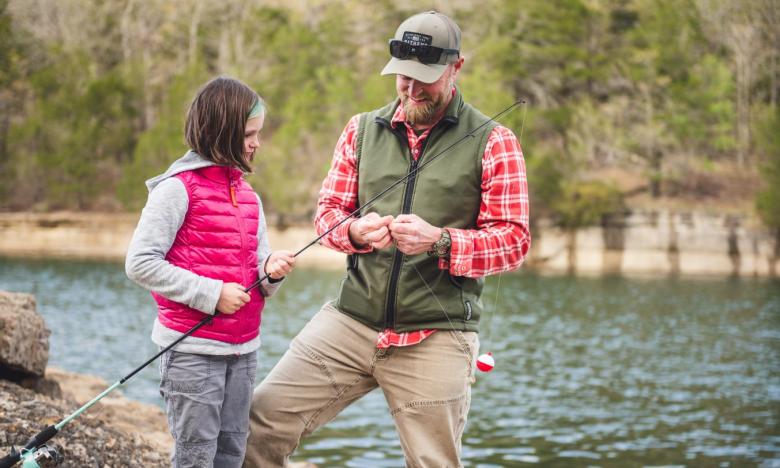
{"points": [[442, 246]]}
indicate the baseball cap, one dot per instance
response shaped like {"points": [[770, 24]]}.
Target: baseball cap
{"points": [[422, 47]]}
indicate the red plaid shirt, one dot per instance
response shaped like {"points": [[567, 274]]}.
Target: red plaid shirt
{"points": [[500, 241]]}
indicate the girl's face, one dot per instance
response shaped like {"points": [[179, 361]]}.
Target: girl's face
{"points": [[252, 136]]}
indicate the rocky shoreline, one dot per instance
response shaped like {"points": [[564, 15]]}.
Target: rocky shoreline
{"points": [[116, 432], [649, 242]]}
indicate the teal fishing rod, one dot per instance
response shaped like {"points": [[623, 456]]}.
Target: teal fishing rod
{"points": [[35, 450], [36, 454]]}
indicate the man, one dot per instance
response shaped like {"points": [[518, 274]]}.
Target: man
{"points": [[408, 311]]}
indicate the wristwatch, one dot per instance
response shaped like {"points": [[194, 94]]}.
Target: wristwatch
{"points": [[441, 248]]}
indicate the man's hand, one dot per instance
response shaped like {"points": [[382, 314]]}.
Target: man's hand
{"points": [[372, 230], [279, 263], [231, 298], [413, 235]]}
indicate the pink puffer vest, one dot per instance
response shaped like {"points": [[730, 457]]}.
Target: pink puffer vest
{"points": [[218, 239]]}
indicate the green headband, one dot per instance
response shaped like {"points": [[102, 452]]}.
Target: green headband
{"points": [[257, 109]]}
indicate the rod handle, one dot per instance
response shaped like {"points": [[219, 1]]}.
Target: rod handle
{"points": [[11, 459], [38, 439]]}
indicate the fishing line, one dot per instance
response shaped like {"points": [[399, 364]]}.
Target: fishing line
{"points": [[396, 184], [489, 317], [38, 441], [446, 315], [485, 362]]}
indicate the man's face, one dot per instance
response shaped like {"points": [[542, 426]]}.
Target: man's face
{"points": [[424, 102]]}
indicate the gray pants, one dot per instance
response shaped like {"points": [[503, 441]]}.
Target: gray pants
{"points": [[207, 401]]}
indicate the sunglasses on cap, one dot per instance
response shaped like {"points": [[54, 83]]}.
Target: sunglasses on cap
{"points": [[425, 54]]}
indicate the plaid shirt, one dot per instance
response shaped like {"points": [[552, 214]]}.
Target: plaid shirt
{"points": [[500, 241]]}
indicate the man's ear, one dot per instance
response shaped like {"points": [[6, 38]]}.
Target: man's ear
{"points": [[456, 65]]}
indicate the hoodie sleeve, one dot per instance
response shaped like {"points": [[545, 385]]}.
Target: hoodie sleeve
{"points": [[267, 287], [146, 265]]}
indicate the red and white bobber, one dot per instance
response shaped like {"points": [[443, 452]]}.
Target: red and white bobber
{"points": [[485, 362]]}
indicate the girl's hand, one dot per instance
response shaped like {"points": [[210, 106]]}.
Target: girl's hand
{"points": [[279, 263], [231, 298]]}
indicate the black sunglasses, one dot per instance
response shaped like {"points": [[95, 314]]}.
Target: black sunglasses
{"points": [[425, 54]]}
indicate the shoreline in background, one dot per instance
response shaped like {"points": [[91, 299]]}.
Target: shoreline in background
{"points": [[105, 236], [660, 242]]}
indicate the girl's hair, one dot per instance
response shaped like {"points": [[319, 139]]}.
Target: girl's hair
{"points": [[216, 121]]}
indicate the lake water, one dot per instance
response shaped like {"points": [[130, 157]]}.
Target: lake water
{"points": [[609, 372]]}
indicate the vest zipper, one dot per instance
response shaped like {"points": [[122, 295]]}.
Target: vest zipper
{"points": [[395, 273], [398, 256], [240, 222]]}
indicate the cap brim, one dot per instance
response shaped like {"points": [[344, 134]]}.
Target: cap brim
{"points": [[414, 69]]}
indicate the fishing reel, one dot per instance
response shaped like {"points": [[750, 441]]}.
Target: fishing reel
{"points": [[41, 457]]}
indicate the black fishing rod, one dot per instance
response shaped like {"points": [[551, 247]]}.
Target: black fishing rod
{"points": [[398, 182], [31, 450], [30, 453]]}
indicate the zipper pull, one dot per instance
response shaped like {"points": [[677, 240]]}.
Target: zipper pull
{"points": [[233, 195], [232, 188]]}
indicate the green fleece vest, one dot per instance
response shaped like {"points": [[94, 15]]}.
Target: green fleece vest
{"points": [[383, 288]]}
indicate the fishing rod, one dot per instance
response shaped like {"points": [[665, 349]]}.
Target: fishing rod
{"points": [[31, 455], [398, 182], [35, 450]]}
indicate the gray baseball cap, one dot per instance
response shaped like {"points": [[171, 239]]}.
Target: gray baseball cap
{"points": [[423, 46]]}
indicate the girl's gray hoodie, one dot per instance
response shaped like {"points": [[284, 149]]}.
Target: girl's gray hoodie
{"points": [[145, 264]]}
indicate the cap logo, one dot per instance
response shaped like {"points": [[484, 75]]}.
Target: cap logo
{"points": [[415, 39]]}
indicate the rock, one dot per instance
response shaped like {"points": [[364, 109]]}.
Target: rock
{"points": [[87, 441], [132, 417], [24, 338], [115, 433], [43, 385]]}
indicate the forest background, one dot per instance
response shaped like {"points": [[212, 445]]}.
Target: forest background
{"points": [[630, 103]]}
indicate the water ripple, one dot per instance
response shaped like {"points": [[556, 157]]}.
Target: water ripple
{"points": [[589, 371]]}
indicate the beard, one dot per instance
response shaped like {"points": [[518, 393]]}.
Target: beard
{"points": [[424, 114]]}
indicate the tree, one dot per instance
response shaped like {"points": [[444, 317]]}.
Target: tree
{"points": [[81, 130], [9, 57], [163, 142], [768, 200], [97, 89]]}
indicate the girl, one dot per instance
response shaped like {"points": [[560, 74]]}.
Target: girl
{"points": [[200, 241]]}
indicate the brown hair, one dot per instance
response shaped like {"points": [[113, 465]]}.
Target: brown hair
{"points": [[216, 121]]}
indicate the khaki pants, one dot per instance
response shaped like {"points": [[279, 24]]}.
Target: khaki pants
{"points": [[334, 361]]}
